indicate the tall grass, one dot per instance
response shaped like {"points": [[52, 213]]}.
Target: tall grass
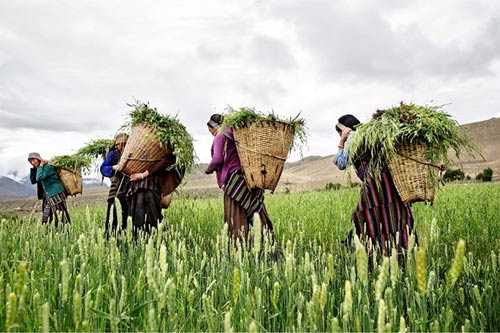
{"points": [[186, 277]]}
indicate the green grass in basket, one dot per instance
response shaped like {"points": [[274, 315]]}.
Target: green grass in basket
{"points": [[409, 123], [72, 162], [96, 148], [242, 117], [170, 132]]}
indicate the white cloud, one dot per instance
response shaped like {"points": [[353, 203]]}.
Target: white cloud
{"points": [[67, 69]]}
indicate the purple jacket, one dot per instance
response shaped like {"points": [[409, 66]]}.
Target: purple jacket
{"points": [[224, 163]]}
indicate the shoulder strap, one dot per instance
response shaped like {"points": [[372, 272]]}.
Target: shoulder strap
{"points": [[226, 136]]}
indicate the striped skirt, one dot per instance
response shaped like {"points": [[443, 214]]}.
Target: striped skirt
{"points": [[237, 189], [240, 204], [382, 217], [58, 203]]}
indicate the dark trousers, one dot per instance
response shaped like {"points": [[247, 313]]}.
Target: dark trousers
{"points": [[145, 210], [112, 216]]}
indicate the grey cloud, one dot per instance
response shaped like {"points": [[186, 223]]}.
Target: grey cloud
{"points": [[272, 53], [359, 43]]}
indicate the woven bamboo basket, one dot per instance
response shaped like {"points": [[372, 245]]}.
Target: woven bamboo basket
{"points": [[71, 180], [414, 177], [263, 147], [142, 150]]}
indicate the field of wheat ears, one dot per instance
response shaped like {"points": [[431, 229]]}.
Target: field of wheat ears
{"points": [[185, 277]]}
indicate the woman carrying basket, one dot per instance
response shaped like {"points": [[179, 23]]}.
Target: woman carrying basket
{"points": [[119, 184], [46, 174], [146, 190], [240, 203], [381, 217]]}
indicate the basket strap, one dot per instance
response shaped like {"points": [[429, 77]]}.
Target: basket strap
{"points": [[258, 152], [440, 167], [144, 159]]}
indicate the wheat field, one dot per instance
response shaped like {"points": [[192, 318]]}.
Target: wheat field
{"points": [[186, 277]]}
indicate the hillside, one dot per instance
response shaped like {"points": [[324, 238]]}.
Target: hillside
{"points": [[9, 188]]}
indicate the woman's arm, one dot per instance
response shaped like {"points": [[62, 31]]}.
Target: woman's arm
{"points": [[218, 156], [44, 171], [107, 165], [33, 175], [342, 157], [340, 160]]}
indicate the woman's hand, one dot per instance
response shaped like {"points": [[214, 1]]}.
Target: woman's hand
{"points": [[139, 175], [343, 137], [43, 163], [345, 133]]}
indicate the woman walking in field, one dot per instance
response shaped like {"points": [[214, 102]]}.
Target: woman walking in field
{"points": [[240, 203], [145, 194], [381, 217], [119, 184], [55, 194]]}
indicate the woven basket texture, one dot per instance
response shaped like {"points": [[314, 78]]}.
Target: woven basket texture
{"points": [[263, 147], [411, 176], [71, 180], [142, 150]]}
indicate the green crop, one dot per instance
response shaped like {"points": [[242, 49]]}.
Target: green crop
{"points": [[186, 276]]}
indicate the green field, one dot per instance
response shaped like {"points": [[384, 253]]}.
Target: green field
{"points": [[186, 278]]}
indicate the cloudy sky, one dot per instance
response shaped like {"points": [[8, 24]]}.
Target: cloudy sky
{"points": [[68, 68]]}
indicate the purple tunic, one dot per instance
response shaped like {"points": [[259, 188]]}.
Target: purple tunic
{"points": [[225, 158]]}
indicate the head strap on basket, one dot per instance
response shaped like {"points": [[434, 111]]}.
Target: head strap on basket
{"points": [[213, 124], [341, 127]]}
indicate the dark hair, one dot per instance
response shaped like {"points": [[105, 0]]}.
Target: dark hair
{"points": [[215, 119], [348, 120]]}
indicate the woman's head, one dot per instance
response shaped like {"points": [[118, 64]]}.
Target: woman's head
{"points": [[215, 122], [34, 159], [347, 120], [121, 141]]}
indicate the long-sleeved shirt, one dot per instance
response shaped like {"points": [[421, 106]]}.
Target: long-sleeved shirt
{"points": [[39, 186], [225, 158], [342, 157], [119, 182], [47, 175], [107, 165]]}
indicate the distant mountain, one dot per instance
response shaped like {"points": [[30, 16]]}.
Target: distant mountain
{"points": [[10, 189], [89, 183]]}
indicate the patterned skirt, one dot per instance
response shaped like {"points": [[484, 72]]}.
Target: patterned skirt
{"points": [[240, 204], [237, 189], [58, 201], [382, 217]]}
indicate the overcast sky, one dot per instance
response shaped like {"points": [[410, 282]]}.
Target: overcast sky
{"points": [[68, 68]]}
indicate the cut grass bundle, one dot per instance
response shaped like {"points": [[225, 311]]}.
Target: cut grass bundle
{"points": [[242, 117], [96, 148], [410, 123], [263, 143], [391, 134], [69, 170], [72, 162], [168, 131]]}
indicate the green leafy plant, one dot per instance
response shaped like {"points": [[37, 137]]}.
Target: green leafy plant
{"points": [[409, 123], [242, 117], [169, 131], [72, 162], [96, 148]]}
